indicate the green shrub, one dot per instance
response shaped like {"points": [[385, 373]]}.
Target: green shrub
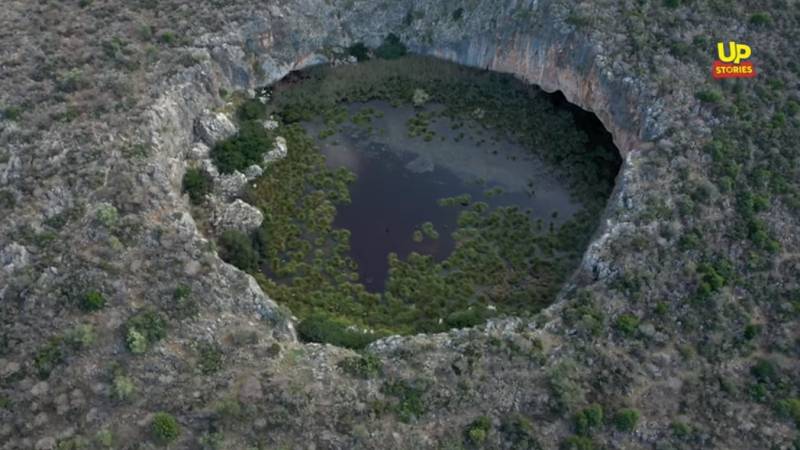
{"points": [[626, 419], [765, 371], [81, 337], [589, 419], [48, 357], [251, 110], [465, 318], [144, 329], [577, 443], [123, 388], [183, 305], [458, 14], [627, 324], [359, 50], [136, 341], [518, 429], [244, 149], [680, 430], [167, 37], [7, 200], [323, 329], [708, 96], [410, 405], [236, 248], [107, 214], [478, 430], [209, 358], [760, 19], [73, 443], [165, 428], [789, 408], [197, 183], [92, 301], [367, 366], [12, 113], [672, 3], [104, 438], [391, 48]]}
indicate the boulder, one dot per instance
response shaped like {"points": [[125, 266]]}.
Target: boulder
{"points": [[237, 216], [229, 186], [278, 152], [198, 152], [253, 172], [213, 127], [14, 257]]}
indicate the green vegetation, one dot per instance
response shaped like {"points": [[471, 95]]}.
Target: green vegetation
{"points": [[80, 337], [760, 19], [478, 430], [165, 428], [359, 50], [578, 443], [709, 96], [104, 438], [321, 328], [197, 183], [122, 388], [144, 329], [519, 430], [410, 405], [789, 408], [48, 357], [626, 419], [245, 149], [367, 366], [589, 420], [107, 215], [236, 248], [209, 358], [93, 301], [502, 259], [627, 324], [391, 48]]}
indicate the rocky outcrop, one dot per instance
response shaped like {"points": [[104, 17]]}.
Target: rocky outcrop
{"points": [[280, 151], [237, 215], [213, 127]]}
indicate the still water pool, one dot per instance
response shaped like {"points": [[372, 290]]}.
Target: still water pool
{"points": [[400, 180]]}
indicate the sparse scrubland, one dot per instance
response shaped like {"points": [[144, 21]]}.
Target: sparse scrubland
{"points": [[120, 327]]}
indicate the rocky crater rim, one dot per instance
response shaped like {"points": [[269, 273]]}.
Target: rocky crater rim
{"points": [[196, 91]]}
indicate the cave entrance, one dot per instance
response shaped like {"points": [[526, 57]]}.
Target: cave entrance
{"points": [[419, 195]]}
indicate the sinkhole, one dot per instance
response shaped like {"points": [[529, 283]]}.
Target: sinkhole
{"points": [[417, 195]]}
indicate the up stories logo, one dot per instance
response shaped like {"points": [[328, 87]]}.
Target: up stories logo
{"points": [[732, 64]]}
